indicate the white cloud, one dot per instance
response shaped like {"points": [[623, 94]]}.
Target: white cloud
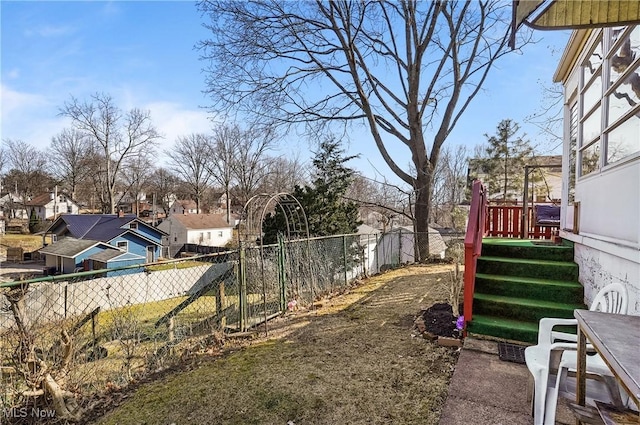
{"points": [[28, 117], [172, 120], [13, 73], [14, 101], [48, 31]]}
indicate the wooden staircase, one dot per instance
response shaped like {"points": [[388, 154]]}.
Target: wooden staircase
{"points": [[518, 282]]}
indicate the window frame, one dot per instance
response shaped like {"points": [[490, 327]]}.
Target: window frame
{"points": [[603, 71]]}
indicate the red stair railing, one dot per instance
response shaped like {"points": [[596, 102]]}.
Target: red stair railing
{"points": [[473, 244]]}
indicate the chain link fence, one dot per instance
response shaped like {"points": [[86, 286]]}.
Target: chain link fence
{"points": [[94, 329]]}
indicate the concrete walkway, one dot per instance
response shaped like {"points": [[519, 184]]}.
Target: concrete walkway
{"points": [[485, 390]]}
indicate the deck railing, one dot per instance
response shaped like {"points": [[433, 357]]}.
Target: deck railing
{"points": [[506, 221], [473, 243]]}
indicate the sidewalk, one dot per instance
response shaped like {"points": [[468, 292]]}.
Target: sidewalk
{"points": [[485, 390]]}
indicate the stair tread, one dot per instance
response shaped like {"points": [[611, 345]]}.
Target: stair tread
{"points": [[527, 301], [524, 243], [508, 323], [528, 261], [567, 283]]}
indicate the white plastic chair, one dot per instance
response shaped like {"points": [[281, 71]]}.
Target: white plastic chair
{"points": [[611, 299], [542, 357]]}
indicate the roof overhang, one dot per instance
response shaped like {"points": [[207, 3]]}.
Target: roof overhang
{"points": [[572, 14]]}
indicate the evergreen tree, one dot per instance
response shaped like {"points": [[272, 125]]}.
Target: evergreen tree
{"points": [[34, 222], [328, 213], [507, 154]]}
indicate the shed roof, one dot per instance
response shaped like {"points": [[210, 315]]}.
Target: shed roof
{"points": [[106, 255], [69, 247]]}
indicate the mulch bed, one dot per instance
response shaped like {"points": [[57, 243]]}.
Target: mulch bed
{"points": [[437, 321]]}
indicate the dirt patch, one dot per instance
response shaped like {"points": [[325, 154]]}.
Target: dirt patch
{"points": [[439, 320], [354, 360]]}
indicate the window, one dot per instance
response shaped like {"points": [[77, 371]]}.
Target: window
{"points": [[220, 234], [573, 140], [69, 209], [123, 245], [609, 112], [133, 226], [209, 236]]}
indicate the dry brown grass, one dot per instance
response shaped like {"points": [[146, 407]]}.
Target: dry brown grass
{"points": [[352, 361], [28, 242]]}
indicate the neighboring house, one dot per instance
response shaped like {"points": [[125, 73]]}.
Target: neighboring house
{"points": [[197, 229], [548, 180], [220, 204], [182, 206], [49, 205], [600, 72], [100, 241], [11, 206]]}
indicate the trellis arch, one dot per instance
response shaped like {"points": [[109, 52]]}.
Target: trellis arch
{"points": [[257, 208], [251, 237]]}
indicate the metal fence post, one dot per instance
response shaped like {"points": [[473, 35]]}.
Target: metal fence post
{"points": [[242, 290], [400, 247], [282, 278], [221, 305], [344, 253]]}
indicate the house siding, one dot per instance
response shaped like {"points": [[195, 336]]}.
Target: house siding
{"points": [[193, 236], [136, 245], [607, 197]]}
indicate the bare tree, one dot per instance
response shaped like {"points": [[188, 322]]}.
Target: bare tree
{"points": [[406, 69], [135, 175], [163, 185], [118, 135], [189, 160], [3, 160], [450, 182], [382, 204], [70, 158], [284, 173], [26, 169], [250, 165], [223, 149]]}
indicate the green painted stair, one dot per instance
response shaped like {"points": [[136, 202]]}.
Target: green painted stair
{"points": [[518, 282]]}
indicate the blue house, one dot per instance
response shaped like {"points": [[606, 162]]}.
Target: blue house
{"points": [[100, 241]]}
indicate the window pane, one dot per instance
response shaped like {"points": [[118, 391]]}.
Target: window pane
{"points": [[590, 159], [591, 127], [592, 64], [573, 131], [624, 140], [592, 94], [625, 96], [626, 53]]}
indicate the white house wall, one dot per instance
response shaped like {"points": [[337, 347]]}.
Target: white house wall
{"points": [[209, 237], [610, 204], [607, 243], [598, 269]]}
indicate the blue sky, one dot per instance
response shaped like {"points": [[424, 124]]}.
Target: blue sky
{"points": [[142, 54]]}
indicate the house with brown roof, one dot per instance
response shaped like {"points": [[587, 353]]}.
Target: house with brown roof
{"points": [[49, 205], [197, 229], [183, 206]]}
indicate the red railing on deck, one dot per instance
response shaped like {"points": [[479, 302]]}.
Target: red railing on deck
{"points": [[473, 244], [506, 221]]}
